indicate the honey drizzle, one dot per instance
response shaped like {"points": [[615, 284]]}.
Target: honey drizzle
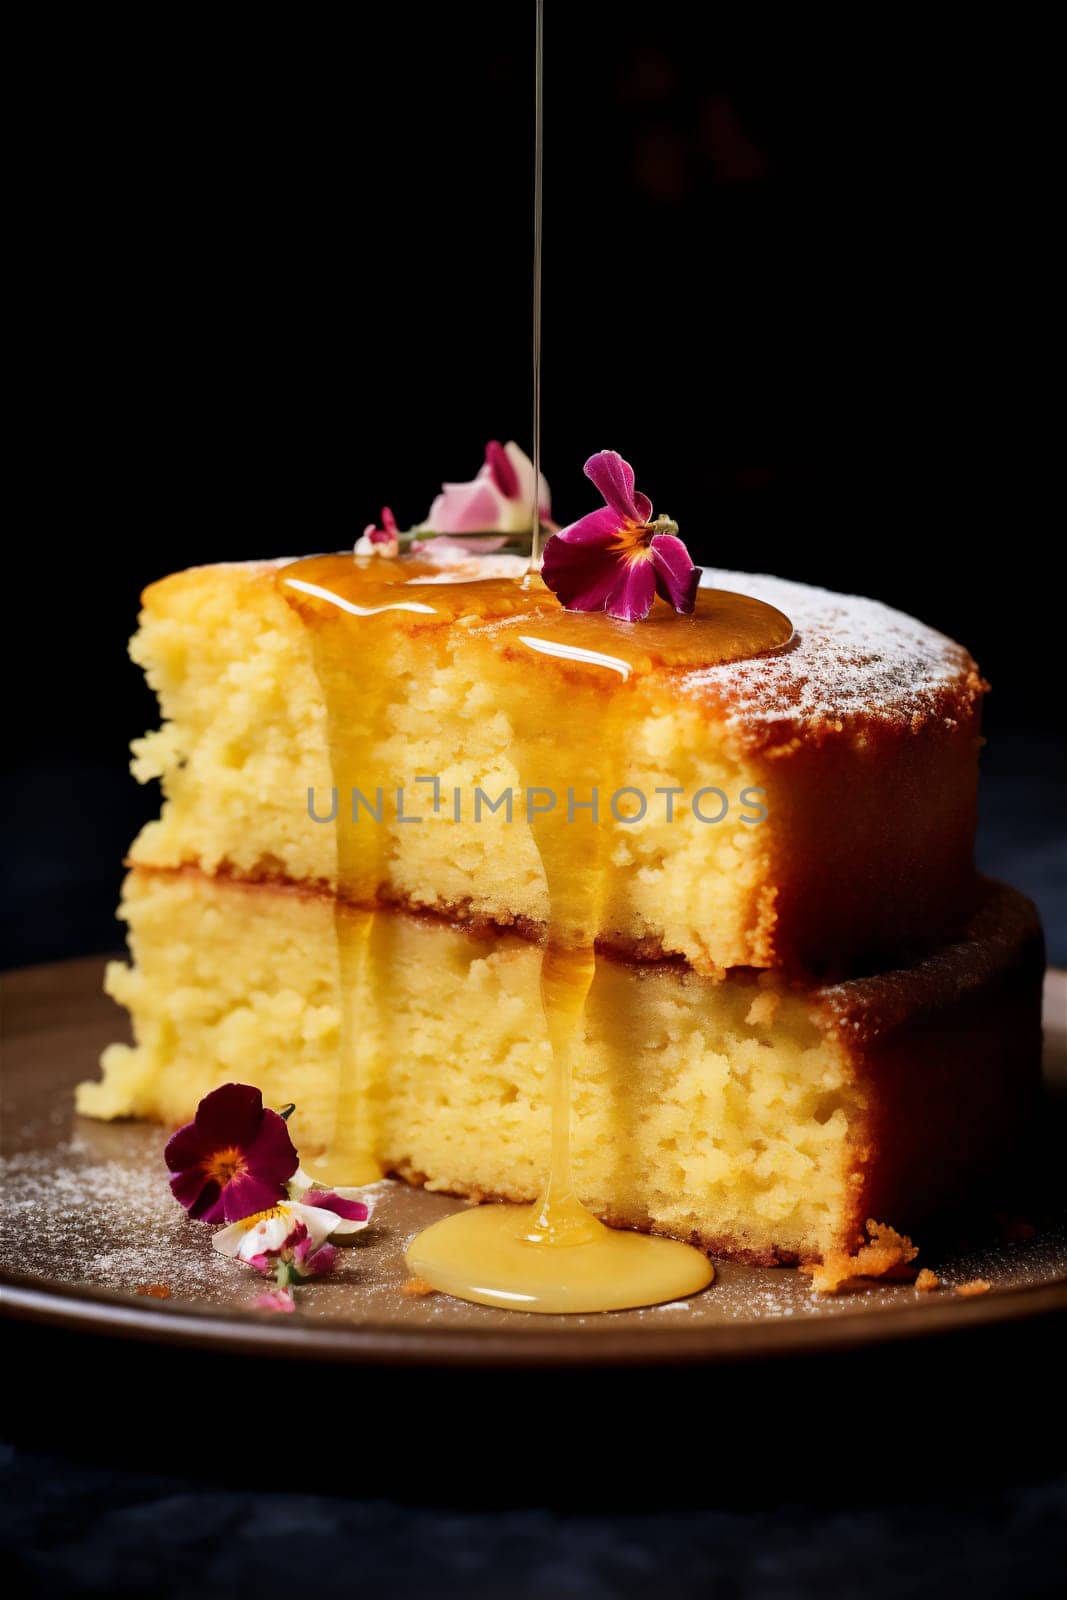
{"points": [[355, 703], [566, 683], [556, 1256]]}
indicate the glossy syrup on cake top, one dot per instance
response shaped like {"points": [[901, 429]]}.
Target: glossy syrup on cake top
{"points": [[862, 733]]}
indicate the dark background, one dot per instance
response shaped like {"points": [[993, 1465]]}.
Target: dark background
{"points": [[273, 270], [800, 274]]}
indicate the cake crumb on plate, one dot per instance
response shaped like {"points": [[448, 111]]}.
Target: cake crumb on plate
{"points": [[884, 1256], [415, 1288]]}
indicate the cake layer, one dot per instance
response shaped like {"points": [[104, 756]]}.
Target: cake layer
{"points": [[761, 1118], [841, 769]]}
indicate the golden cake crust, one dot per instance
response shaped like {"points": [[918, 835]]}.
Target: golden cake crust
{"points": [[953, 1047]]}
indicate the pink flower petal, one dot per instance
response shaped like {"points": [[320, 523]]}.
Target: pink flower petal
{"points": [[635, 589], [582, 575], [522, 466], [501, 470], [581, 572], [320, 1261], [677, 579], [275, 1300], [483, 546], [466, 507], [389, 522], [614, 477], [297, 1242], [347, 1210], [597, 527]]}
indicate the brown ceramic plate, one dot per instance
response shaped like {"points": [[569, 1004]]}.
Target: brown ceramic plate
{"points": [[90, 1225]]}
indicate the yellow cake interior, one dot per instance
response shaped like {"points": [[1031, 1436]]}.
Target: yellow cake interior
{"points": [[244, 742], [703, 1109], [826, 819]]}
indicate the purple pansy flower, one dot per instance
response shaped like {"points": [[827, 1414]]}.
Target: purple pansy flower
{"points": [[233, 1159], [618, 559]]}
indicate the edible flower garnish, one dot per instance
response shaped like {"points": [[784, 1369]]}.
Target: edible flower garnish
{"points": [[233, 1159], [383, 541], [492, 510], [499, 500], [618, 559], [286, 1242], [235, 1162], [352, 1207], [275, 1300]]}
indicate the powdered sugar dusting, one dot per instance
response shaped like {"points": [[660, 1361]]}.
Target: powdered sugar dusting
{"points": [[112, 1224], [850, 658], [95, 1211]]}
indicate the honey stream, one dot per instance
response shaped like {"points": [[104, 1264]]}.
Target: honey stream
{"points": [[566, 683]]}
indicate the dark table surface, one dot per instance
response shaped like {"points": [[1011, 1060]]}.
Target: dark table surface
{"points": [[923, 1471], [934, 1469]]}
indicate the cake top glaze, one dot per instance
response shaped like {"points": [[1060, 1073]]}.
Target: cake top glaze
{"points": [[852, 665], [851, 660]]}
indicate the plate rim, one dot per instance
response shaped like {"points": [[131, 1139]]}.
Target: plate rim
{"points": [[86, 1309]]}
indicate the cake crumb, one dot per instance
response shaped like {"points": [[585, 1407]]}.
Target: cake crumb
{"points": [[886, 1255], [764, 1009], [927, 1280], [974, 1286], [415, 1287], [158, 1291]]}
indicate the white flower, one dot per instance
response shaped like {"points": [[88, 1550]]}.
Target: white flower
{"points": [[268, 1232]]}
